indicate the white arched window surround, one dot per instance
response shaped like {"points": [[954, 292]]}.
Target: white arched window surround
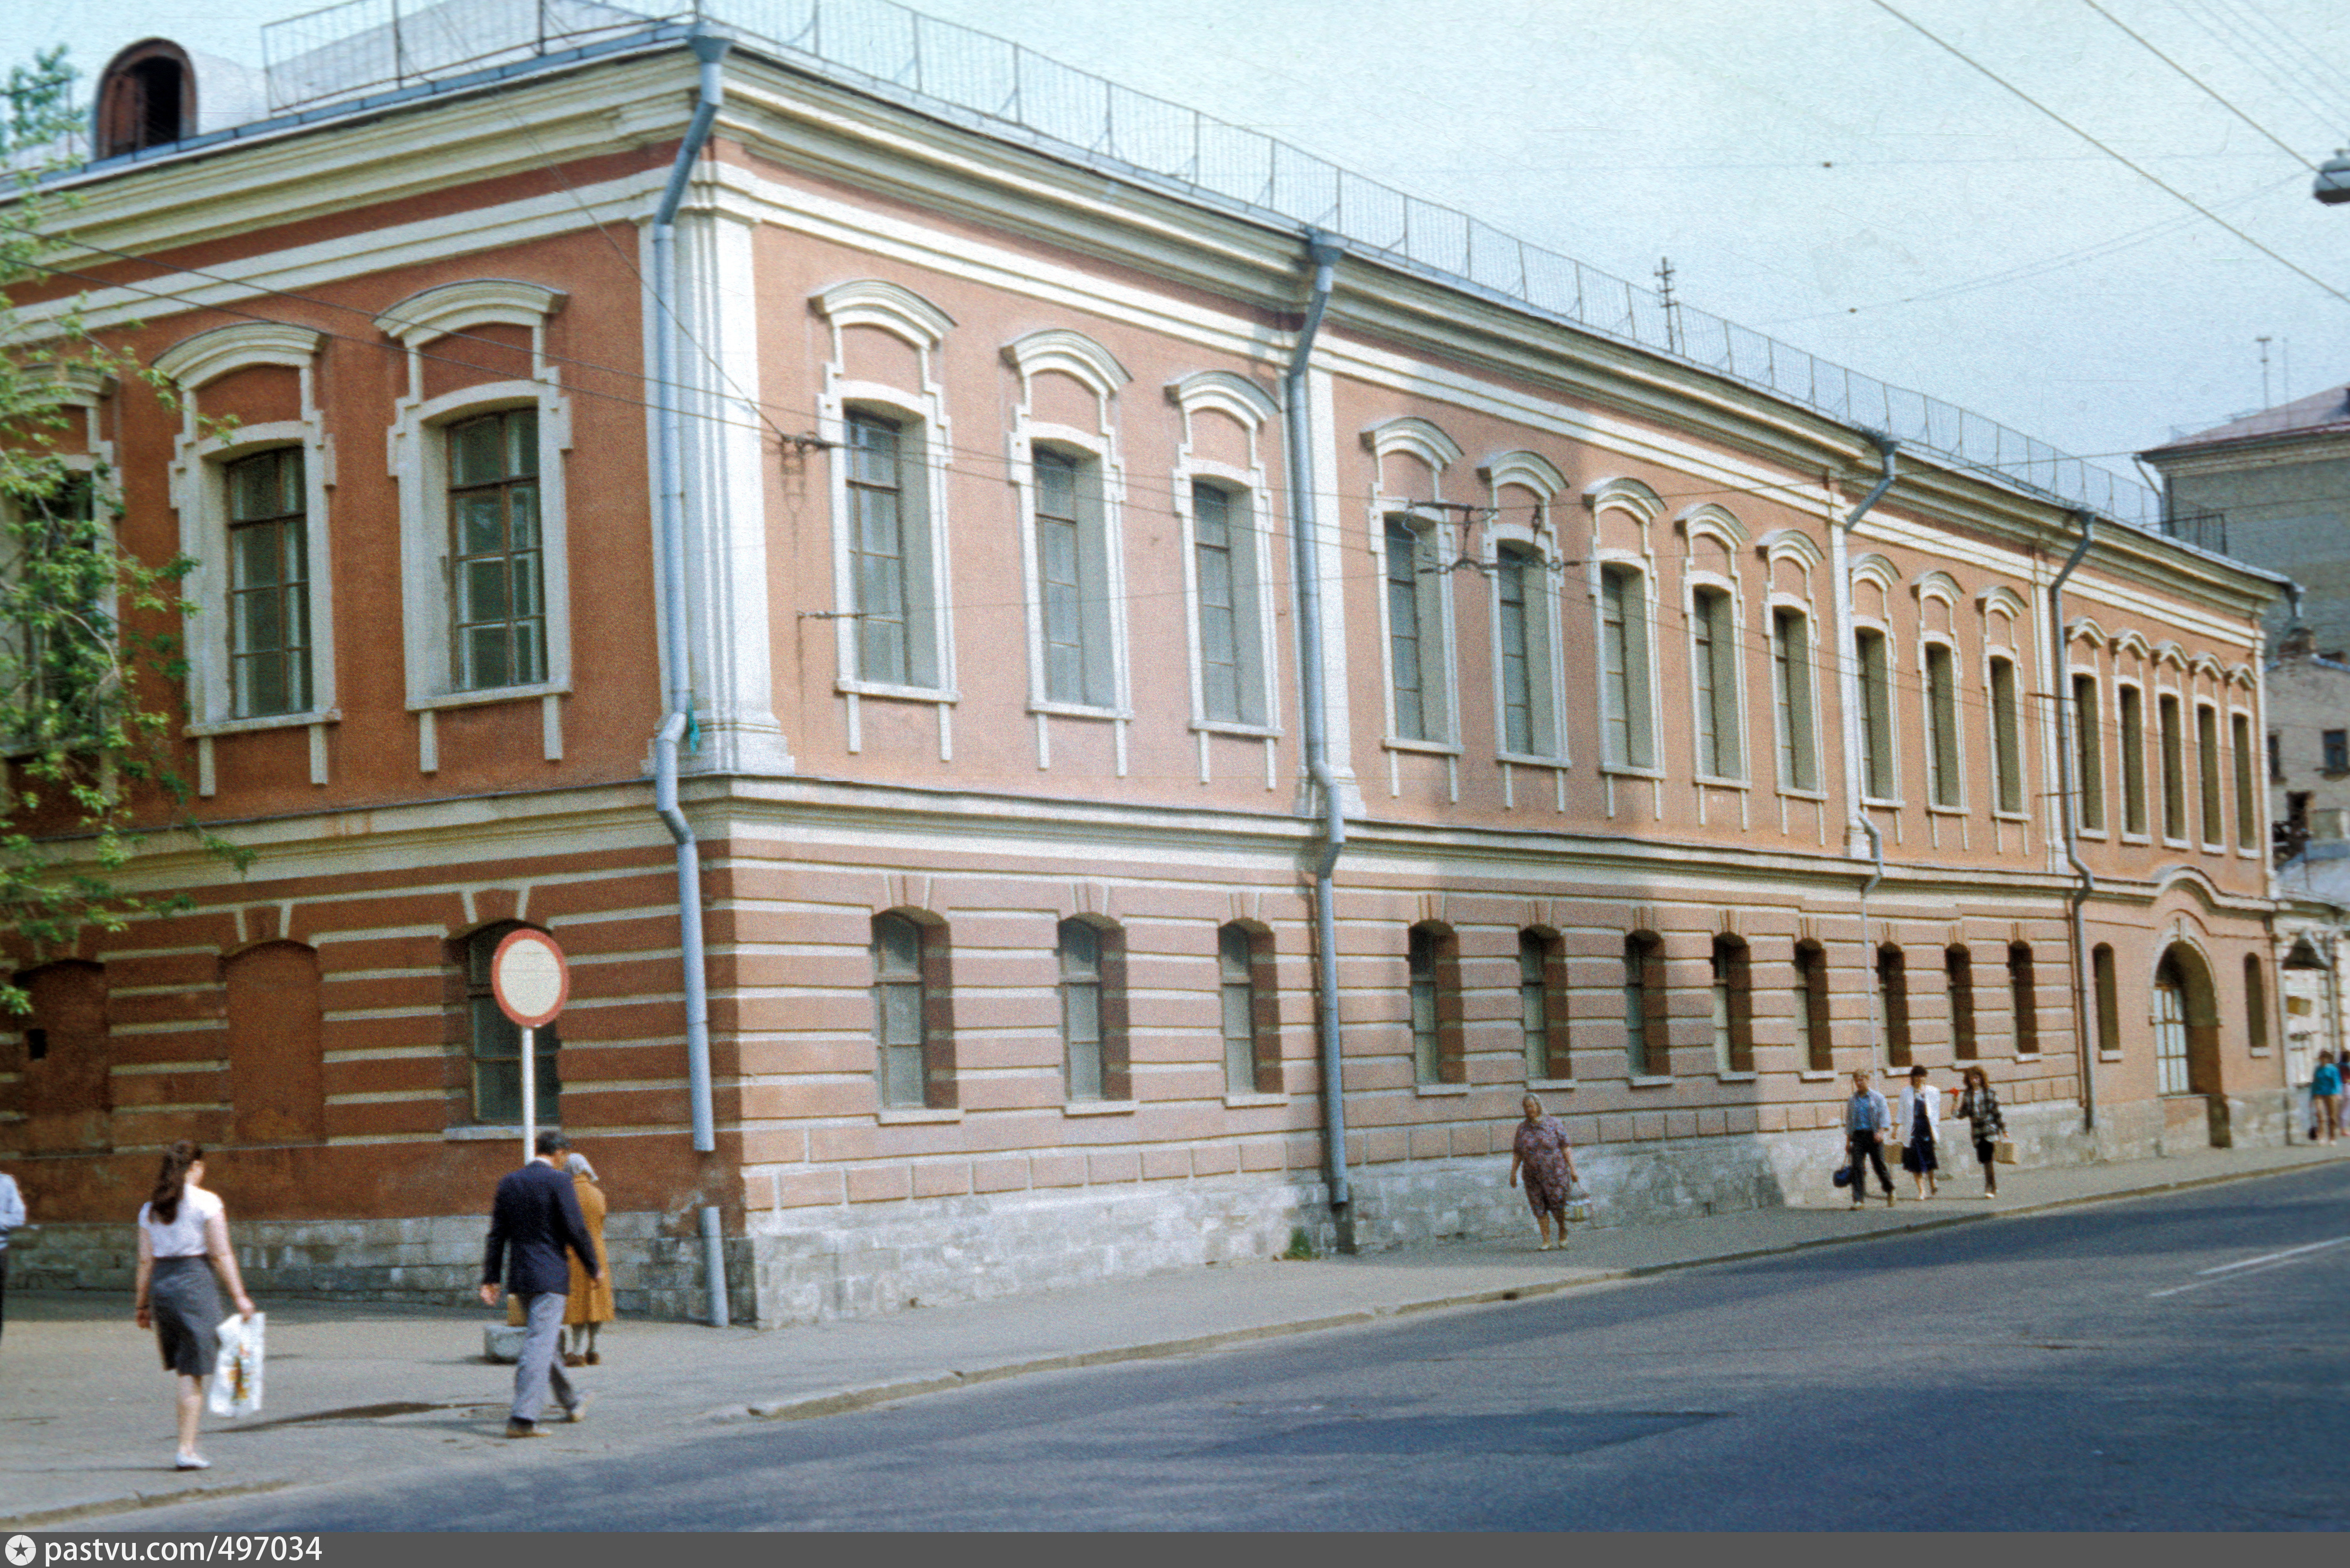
{"points": [[2086, 642], [89, 390], [1794, 545], [1643, 508], [1094, 368], [199, 490], [1882, 574], [904, 315], [2238, 698], [418, 464], [2005, 614], [1248, 405], [1537, 535], [1439, 545], [1721, 526], [1940, 588]]}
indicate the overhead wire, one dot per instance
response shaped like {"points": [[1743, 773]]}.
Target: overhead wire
{"points": [[2283, 69], [2201, 86], [2139, 170]]}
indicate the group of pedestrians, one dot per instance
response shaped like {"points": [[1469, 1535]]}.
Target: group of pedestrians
{"points": [[1870, 1124], [545, 1251]]}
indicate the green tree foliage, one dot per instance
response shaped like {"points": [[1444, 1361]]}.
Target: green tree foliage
{"points": [[87, 697]]}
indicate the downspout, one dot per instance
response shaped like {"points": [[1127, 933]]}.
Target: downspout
{"points": [[1848, 695], [2070, 807], [1297, 444], [677, 649]]}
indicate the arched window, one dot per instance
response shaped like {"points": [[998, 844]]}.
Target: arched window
{"points": [[2256, 1003], [1092, 1011], [146, 98], [1627, 721], [1893, 1005], [1541, 1004], [2109, 999], [497, 1044], [1713, 683], [1958, 968], [1734, 1007], [1522, 626], [1647, 1049], [1434, 960], [2023, 996], [913, 1012], [1814, 1044], [1251, 1009]]}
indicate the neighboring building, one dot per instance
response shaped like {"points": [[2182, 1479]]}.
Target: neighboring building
{"points": [[2309, 739], [2274, 489], [2312, 922], [1008, 841]]}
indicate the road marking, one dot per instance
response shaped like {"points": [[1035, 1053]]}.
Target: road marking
{"points": [[2218, 1276]]}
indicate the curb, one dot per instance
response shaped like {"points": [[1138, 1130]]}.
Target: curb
{"points": [[138, 1501], [842, 1401]]}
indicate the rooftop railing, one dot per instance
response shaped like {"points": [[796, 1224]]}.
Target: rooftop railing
{"points": [[363, 47]]}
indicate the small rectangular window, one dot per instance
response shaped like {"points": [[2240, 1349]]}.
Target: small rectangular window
{"points": [[2006, 738], [1874, 662], [1626, 719], [497, 559], [1791, 681], [2338, 750], [2133, 706], [2248, 800], [2088, 753], [2276, 757]]}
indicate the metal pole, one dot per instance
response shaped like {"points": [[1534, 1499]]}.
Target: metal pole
{"points": [[529, 1095]]}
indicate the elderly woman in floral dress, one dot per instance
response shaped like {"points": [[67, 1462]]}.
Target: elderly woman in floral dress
{"points": [[1542, 1152]]}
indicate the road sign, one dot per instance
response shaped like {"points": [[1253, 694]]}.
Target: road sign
{"points": [[529, 978]]}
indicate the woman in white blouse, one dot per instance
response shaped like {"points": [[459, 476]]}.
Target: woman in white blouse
{"points": [[182, 1229], [1920, 1129]]}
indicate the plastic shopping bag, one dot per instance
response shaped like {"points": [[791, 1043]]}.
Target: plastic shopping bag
{"points": [[236, 1381]]}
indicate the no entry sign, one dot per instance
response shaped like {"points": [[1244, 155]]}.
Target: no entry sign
{"points": [[529, 978]]}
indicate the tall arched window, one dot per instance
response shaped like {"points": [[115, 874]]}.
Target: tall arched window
{"points": [[1893, 1005], [1251, 1013], [1092, 1011], [1647, 1049], [1958, 968], [1734, 1007], [913, 1012], [1815, 1044], [2023, 994], [1541, 1004], [1434, 961], [2109, 999], [497, 1044], [2256, 1003]]}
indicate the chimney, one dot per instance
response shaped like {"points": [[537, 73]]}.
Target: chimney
{"points": [[2298, 643]]}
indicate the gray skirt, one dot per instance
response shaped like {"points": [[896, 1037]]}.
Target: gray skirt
{"points": [[184, 1302]]}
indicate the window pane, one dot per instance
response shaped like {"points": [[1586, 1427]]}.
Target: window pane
{"points": [[476, 452]]}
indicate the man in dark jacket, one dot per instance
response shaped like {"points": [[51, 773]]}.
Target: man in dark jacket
{"points": [[537, 1215]]}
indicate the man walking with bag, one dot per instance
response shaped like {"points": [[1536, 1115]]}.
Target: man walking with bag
{"points": [[537, 1215], [1865, 1121]]}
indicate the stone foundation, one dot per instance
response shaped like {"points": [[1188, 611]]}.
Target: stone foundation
{"points": [[806, 1266]]}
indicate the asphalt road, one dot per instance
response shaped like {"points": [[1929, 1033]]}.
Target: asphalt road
{"points": [[2166, 1364]]}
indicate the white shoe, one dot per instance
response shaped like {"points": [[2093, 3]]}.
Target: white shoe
{"points": [[191, 1462]]}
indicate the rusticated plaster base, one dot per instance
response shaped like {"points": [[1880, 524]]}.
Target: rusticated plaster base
{"points": [[805, 1265]]}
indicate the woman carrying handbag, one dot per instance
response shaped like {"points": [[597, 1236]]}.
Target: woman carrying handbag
{"points": [[1978, 1108]]}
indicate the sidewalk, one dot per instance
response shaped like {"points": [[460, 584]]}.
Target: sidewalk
{"points": [[86, 1422]]}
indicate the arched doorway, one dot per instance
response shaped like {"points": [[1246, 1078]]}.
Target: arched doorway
{"points": [[2186, 1032]]}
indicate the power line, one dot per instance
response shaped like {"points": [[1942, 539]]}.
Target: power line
{"points": [[2200, 85], [2142, 172]]}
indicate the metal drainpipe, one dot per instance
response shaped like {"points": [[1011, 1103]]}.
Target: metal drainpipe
{"points": [[669, 484], [1848, 691], [2070, 807], [1313, 693]]}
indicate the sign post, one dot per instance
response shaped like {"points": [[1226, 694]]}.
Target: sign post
{"points": [[531, 982]]}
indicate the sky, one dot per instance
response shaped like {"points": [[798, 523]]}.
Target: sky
{"points": [[1818, 170]]}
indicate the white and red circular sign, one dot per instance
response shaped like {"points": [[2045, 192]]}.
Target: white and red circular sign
{"points": [[529, 978]]}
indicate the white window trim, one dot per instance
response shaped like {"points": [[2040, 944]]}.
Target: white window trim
{"points": [[1643, 567], [1692, 582], [1774, 603], [1991, 652], [2098, 683], [78, 387], [923, 326], [2149, 779], [2258, 835], [1247, 405], [1892, 708], [1437, 452], [199, 494], [1093, 367], [418, 458], [1535, 474]]}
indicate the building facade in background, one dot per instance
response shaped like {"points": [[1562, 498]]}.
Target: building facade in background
{"points": [[1671, 795]]}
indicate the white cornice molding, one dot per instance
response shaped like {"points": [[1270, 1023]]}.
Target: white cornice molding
{"points": [[1236, 396], [1874, 568], [1624, 495], [1935, 584], [895, 309], [1790, 543], [1419, 437], [1710, 517], [2001, 599], [477, 302], [198, 361]]}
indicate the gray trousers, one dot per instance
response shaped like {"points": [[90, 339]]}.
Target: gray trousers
{"points": [[539, 1365]]}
